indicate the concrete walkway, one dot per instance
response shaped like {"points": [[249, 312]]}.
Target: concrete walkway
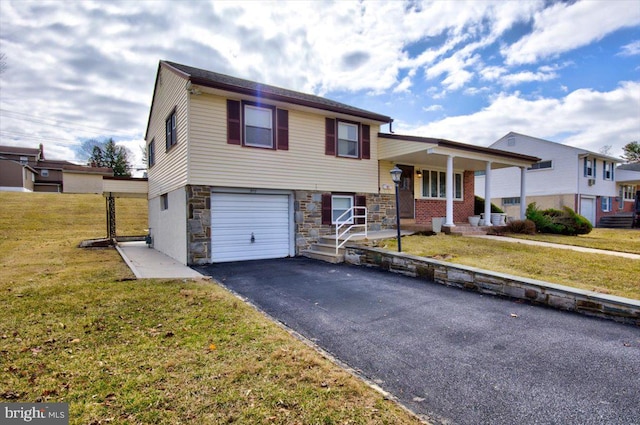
{"points": [[558, 246], [148, 263]]}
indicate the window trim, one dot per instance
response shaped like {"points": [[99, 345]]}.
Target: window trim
{"points": [[426, 173], [590, 167], [151, 153], [171, 138], [610, 166], [538, 166], [334, 196], [511, 200], [357, 140], [259, 106], [44, 172], [164, 202], [628, 192], [606, 204]]}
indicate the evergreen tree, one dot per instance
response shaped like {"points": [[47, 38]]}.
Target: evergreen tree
{"points": [[107, 153], [631, 152]]}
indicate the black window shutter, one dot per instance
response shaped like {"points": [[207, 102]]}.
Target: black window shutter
{"points": [[233, 122], [326, 208], [283, 129], [366, 142], [330, 137], [361, 201]]}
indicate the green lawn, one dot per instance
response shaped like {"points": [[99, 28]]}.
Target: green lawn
{"points": [[601, 273], [76, 328], [623, 240]]}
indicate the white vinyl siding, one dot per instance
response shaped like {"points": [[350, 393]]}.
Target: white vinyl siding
{"points": [[169, 227], [249, 226], [304, 166], [170, 169]]}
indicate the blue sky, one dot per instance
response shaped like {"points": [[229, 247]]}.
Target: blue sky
{"points": [[468, 71]]}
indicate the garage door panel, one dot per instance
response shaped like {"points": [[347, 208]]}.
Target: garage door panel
{"points": [[235, 217]]}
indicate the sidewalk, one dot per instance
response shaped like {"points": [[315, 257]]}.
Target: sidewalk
{"points": [[147, 263], [559, 246]]}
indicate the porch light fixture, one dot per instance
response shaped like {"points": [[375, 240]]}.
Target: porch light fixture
{"points": [[396, 175], [419, 174]]}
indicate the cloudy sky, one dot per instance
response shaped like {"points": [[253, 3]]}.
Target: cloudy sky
{"points": [[468, 71]]}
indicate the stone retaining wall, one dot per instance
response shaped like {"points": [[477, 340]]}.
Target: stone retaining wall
{"points": [[502, 284]]}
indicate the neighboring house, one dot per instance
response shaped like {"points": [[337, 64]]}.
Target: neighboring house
{"points": [[55, 175], [16, 176], [239, 170], [566, 176], [628, 181]]}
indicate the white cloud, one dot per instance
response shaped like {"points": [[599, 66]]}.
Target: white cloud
{"points": [[586, 114], [525, 77], [589, 21], [631, 49], [432, 108]]}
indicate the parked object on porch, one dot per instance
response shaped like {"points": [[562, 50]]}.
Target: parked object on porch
{"points": [[474, 220], [436, 224], [498, 219]]}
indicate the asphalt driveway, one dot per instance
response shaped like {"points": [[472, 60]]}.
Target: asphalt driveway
{"points": [[450, 355]]}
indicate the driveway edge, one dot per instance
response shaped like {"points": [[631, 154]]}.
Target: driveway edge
{"points": [[562, 297]]}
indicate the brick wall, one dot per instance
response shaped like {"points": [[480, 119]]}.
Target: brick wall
{"points": [[426, 209]]}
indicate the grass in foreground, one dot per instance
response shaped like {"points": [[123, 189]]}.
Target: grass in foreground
{"points": [[75, 328], [622, 240], [601, 273]]}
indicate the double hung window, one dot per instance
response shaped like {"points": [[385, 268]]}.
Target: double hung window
{"points": [[348, 140], [340, 204], [258, 126], [171, 133]]}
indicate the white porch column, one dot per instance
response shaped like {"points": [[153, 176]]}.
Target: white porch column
{"points": [[449, 189], [523, 193], [487, 194]]}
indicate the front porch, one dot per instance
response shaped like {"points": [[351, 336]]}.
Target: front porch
{"points": [[438, 177]]}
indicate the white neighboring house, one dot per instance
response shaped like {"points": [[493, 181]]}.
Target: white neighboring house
{"points": [[577, 178]]}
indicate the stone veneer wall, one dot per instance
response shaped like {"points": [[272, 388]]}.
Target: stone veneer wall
{"points": [[308, 216], [198, 225], [487, 282]]}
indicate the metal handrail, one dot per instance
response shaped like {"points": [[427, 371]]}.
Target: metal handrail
{"points": [[352, 219]]}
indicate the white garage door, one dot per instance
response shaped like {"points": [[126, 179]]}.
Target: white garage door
{"points": [[249, 226], [588, 209]]}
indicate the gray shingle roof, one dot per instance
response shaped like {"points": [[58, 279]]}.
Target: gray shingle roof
{"points": [[225, 82]]}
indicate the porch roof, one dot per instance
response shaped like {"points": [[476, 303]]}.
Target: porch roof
{"points": [[429, 151]]}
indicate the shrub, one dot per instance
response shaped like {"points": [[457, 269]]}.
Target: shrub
{"points": [[527, 227], [562, 222], [478, 206]]}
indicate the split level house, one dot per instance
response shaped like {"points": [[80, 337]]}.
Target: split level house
{"points": [[240, 170], [587, 182], [27, 170]]}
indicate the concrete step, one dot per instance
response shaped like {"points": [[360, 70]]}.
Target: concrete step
{"points": [[616, 222], [465, 229], [323, 256], [329, 248]]}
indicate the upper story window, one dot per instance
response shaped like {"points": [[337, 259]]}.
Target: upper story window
{"points": [[541, 165], [607, 170], [589, 167], [348, 140], [515, 200], [258, 126], [434, 184], [151, 153], [24, 160], [171, 130], [44, 173]]}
